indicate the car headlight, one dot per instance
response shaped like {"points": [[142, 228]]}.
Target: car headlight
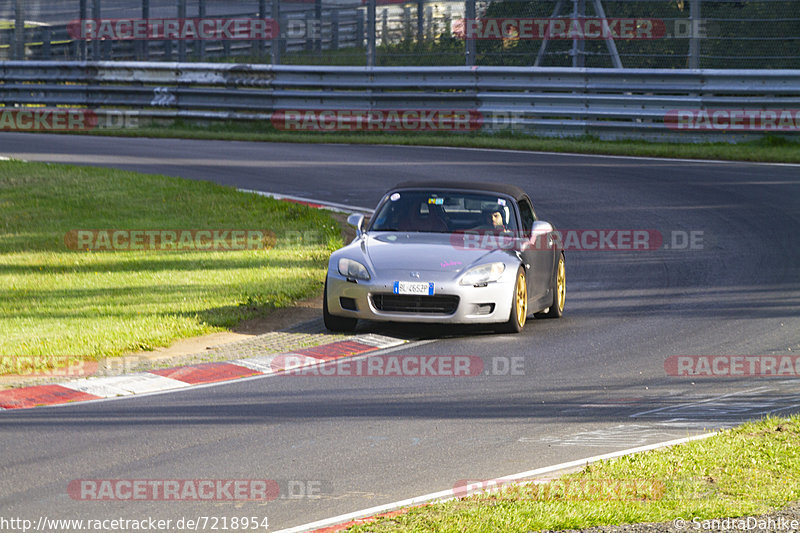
{"points": [[483, 274], [352, 269]]}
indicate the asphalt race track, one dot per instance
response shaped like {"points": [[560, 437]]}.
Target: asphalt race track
{"points": [[593, 382]]}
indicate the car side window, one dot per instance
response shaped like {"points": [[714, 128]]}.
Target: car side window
{"points": [[526, 212]]}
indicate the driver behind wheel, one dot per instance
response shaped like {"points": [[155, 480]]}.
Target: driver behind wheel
{"points": [[493, 219]]}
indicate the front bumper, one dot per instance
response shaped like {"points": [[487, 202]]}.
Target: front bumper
{"points": [[476, 305]]}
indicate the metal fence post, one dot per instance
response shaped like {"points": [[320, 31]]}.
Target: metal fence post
{"points": [[384, 26], [359, 28], [420, 20], [261, 44], [610, 44], [167, 49], [334, 29], [82, 12], [694, 40], [578, 44], [309, 37], [470, 48], [146, 42], [95, 42], [276, 37], [200, 43], [19, 30], [371, 29], [317, 25], [543, 47], [181, 42], [407, 32], [47, 37]]}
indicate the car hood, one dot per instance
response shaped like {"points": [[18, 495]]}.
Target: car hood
{"points": [[433, 252]]}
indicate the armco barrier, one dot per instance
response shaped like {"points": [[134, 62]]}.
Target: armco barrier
{"points": [[607, 103]]}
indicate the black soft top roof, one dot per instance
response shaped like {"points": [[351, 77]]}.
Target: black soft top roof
{"points": [[509, 190]]}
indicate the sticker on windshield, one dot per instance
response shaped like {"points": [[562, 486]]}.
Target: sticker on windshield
{"points": [[500, 201], [436, 201], [395, 197]]}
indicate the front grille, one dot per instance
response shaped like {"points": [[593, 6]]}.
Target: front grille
{"points": [[406, 303]]}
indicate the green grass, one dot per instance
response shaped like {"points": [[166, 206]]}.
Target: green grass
{"points": [[55, 301], [748, 470], [766, 149]]}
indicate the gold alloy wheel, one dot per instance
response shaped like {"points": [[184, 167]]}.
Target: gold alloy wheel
{"points": [[521, 293], [561, 285]]}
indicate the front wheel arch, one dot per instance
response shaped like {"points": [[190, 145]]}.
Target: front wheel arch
{"points": [[519, 304], [559, 289], [332, 322]]}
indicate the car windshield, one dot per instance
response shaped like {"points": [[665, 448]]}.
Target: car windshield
{"points": [[444, 212]]}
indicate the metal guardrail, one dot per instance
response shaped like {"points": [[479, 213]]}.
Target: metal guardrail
{"points": [[607, 103]]}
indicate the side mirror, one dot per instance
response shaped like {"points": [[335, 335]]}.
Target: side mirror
{"points": [[357, 220], [541, 229]]}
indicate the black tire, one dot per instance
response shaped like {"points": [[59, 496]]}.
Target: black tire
{"points": [[335, 323], [559, 288], [519, 305]]}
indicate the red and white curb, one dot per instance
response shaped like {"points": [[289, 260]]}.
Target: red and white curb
{"points": [[310, 202], [99, 388]]}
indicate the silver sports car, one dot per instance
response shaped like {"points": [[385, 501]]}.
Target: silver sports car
{"points": [[447, 252]]}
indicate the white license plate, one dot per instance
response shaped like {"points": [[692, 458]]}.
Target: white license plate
{"points": [[413, 287]]}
